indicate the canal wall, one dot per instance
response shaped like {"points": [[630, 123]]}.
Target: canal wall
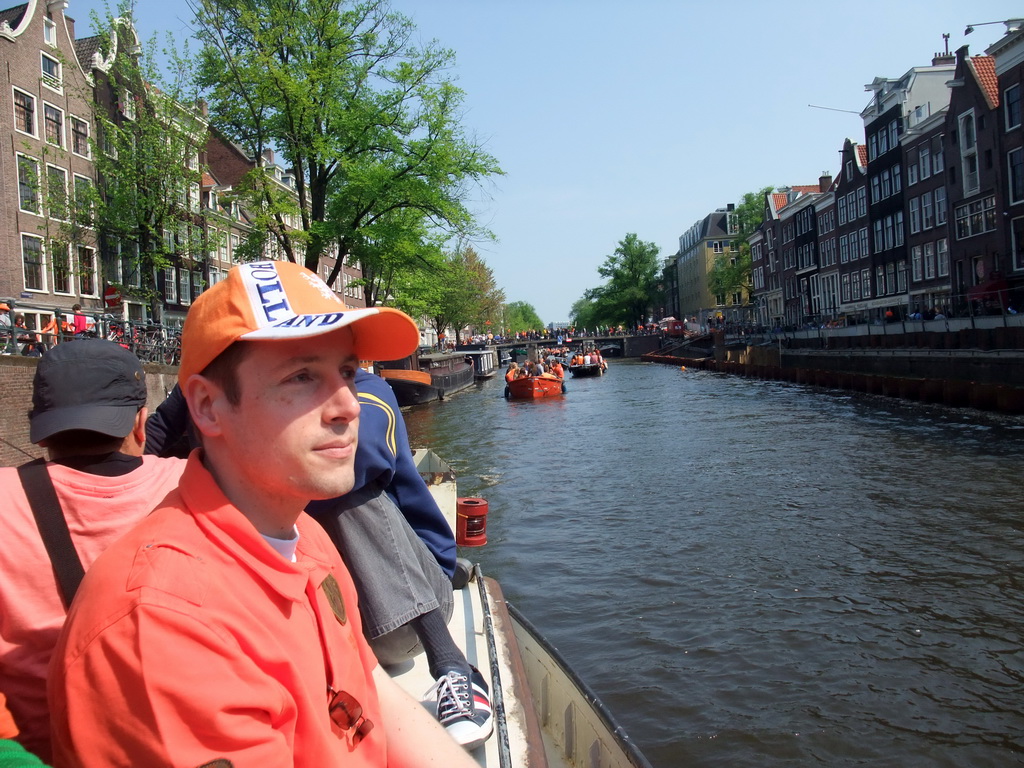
{"points": [[16, 374], [921, 367]]}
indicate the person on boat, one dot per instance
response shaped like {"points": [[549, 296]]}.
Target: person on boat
{"points": [[224, 628], [89, 414], [557, 370], [399, 547], [512, 371]]}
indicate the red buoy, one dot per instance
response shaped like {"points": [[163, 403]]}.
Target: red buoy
{"points": [[470, 522]]}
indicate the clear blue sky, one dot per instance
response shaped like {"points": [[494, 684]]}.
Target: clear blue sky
{"points": [[614, 117]]}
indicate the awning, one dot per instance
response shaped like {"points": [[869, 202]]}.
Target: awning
{"points": [[991, 290]]}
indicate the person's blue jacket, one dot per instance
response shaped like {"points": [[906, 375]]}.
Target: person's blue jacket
{"points": [[384, 457]]}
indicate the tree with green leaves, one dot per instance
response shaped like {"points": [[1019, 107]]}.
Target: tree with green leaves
{"points": [[633, 289], [731, 272], [146, 150], [464, 293], [367, 122], [519, 317]]}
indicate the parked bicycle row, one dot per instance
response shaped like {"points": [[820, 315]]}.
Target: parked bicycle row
{"points": [[151, 342]]}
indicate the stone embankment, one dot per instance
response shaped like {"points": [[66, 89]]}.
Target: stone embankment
{"points": [[976, 367]]}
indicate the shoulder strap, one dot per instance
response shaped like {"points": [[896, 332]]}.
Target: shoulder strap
{"points": [[52, 527]]}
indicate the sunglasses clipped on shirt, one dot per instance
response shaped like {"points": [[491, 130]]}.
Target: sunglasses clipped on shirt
{"points": [[347, 714]]}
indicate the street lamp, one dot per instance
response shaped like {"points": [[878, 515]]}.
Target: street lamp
{"points": [[1012, 25]]}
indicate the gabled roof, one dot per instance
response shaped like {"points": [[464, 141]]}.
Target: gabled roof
{"points": [[862, 155], [984, 69], [13, 15], [806, 189], [85, 49], [779, 200]]}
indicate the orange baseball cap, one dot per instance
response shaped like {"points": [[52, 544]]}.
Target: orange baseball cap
{"points": [[279, 300]]}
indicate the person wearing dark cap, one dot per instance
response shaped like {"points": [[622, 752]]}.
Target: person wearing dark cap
{"points": [[88, 412], [224, 629]]}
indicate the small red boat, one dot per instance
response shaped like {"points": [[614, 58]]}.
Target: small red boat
{"points": [[534, 387]]}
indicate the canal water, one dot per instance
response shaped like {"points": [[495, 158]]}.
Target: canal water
{"points": [[758, 573]]}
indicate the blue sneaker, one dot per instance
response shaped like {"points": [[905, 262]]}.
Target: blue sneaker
{"points": [[464, 707]]}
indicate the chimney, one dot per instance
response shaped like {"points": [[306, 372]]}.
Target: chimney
{"points": [[268, 156], [730, 207], [943, 59], [824, 181]]}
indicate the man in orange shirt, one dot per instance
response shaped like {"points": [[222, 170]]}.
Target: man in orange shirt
{"points": [[89, 413], [224, 628]]}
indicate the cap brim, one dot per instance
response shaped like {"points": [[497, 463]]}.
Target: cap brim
{"points": [[379, 333], [110, 420]]}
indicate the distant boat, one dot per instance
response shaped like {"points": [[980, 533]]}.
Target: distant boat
{"points": [[485, 362], [589, 369], [534, 388]]}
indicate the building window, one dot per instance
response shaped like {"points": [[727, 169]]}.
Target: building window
{"points": [[842, 210], [864, 250], [170, 286], [897, 176], [865, 283], [844, 249], [185, 285], [889, 234], [197, 284], [844, 290], [898, 227], [968, 153], [61, 262], [1011, 106], [53, 125], [79, 137], [49, 31], [862, 202], [879, 281], [975, 217], [1015, 168], [912, 173], [1017, 233], [925, 164], [941, 209], [876, 189], [854, 255], [24, 112], [130, 265], [83, 200], [51, 72], [916, 272], [57, 192], [927, 211], [28, 184], [915, 215], [929, 261], [32, 263], [886, 184], [87, 271]]}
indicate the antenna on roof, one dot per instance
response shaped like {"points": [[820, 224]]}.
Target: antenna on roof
{"points": [[834, 109]]}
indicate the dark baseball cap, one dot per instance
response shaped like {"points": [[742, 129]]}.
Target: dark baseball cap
{"points": [[89, 384]]}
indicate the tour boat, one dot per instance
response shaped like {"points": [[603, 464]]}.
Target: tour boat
{"points": [[590, 369], [534, 387], [421, 379], [545, 716]]}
